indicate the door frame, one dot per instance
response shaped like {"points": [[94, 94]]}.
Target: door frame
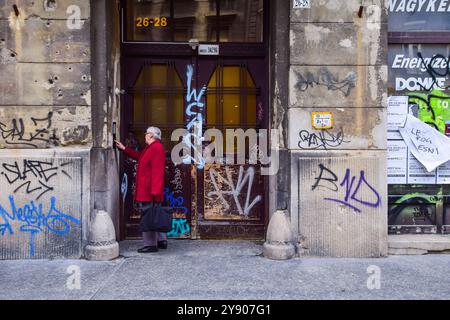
{"points": [[235, 51]]}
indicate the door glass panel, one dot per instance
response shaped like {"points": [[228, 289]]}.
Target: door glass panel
{"points": [[158, 101], [231, 109], [231, 99]]}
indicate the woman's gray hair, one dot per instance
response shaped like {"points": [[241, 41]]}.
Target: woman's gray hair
{"points": [[155, 131]]}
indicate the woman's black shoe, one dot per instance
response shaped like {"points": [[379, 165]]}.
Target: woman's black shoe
{"points": [[162, 244], [148, 249]]}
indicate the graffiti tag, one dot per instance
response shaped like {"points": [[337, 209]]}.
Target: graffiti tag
{"points": [[325, 78], [33, 220], [352, 186], [33, 176], [324, 139], [438, 62], [235, 189], [193, 140], [18, 133]]}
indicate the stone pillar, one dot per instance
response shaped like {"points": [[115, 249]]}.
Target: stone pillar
{"points": [[278, 245], [102, 239], [338, 175]]}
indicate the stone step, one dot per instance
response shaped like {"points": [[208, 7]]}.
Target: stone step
{"points": [[418, 244]]}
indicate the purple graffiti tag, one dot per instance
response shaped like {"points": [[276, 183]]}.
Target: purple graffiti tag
{"points": [[352, 186]]}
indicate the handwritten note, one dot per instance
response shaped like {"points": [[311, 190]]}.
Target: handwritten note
{"points": [[428, 145]]}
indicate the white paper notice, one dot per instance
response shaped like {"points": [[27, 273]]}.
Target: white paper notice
{"points": [[428, 145], [397, 112], [443, 174], [417, 172], [397, 162]]}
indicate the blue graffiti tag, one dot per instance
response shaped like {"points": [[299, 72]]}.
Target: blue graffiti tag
{"points": [[33, 220], [195, 125], [352, 190], [180, 226], [177, 203]]}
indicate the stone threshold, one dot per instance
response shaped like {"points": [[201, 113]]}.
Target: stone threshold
{"points": [[418, 244]]}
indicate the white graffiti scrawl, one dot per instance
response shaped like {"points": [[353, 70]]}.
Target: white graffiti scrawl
{"points": [[235, 190]]}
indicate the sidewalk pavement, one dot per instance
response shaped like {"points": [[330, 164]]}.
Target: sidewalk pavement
{"points": [[225, 270]]}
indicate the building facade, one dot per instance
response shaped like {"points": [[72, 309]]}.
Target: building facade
{"points": [[311, 74]]}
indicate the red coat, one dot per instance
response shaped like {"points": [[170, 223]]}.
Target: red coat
{"points": [[150, 172]]}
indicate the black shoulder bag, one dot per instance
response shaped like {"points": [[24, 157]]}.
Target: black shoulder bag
{"points": [[156, 217]]}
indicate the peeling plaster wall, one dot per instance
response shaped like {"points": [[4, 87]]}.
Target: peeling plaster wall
{"points": [[338, 188], [45, 128]]}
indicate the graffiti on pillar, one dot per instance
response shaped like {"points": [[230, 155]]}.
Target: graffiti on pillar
{"points": [[32, 177], [32, 219], [325, 78], [324, 139], [352, 187], [28, 132]]}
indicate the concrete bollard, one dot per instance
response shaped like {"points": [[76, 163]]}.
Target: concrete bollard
{"points": [[278, 245], [102, 239]]}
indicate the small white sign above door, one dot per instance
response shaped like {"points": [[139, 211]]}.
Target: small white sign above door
{"points": [[208, 50], [302, 4]]}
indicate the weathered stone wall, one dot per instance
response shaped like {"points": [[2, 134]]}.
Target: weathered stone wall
{"points": [[338, 176], [45, 127], [44, 203]]}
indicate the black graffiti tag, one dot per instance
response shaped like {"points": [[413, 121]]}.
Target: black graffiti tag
{"points": [[324, 139], [436, 63], [32, 176], [328, 176], [19, 134], [325, 78]]}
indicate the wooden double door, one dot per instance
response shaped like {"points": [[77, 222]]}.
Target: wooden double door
{"points": [[197, 93]]}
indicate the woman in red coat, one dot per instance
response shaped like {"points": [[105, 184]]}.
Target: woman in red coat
{"points": [[149, 181]]}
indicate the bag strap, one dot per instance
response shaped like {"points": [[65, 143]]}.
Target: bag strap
{"points": [[148, 206]]}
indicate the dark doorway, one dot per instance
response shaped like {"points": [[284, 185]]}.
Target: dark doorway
{"points": [[211, 201]]}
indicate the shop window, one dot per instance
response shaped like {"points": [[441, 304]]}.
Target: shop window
{"points": [[182, 20], [419, 74]]}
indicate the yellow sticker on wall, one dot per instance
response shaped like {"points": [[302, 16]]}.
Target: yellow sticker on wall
{"points": [[322, 120]]}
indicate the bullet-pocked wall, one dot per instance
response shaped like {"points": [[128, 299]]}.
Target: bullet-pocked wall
{"points": [[337, 127], [45, 128]]}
